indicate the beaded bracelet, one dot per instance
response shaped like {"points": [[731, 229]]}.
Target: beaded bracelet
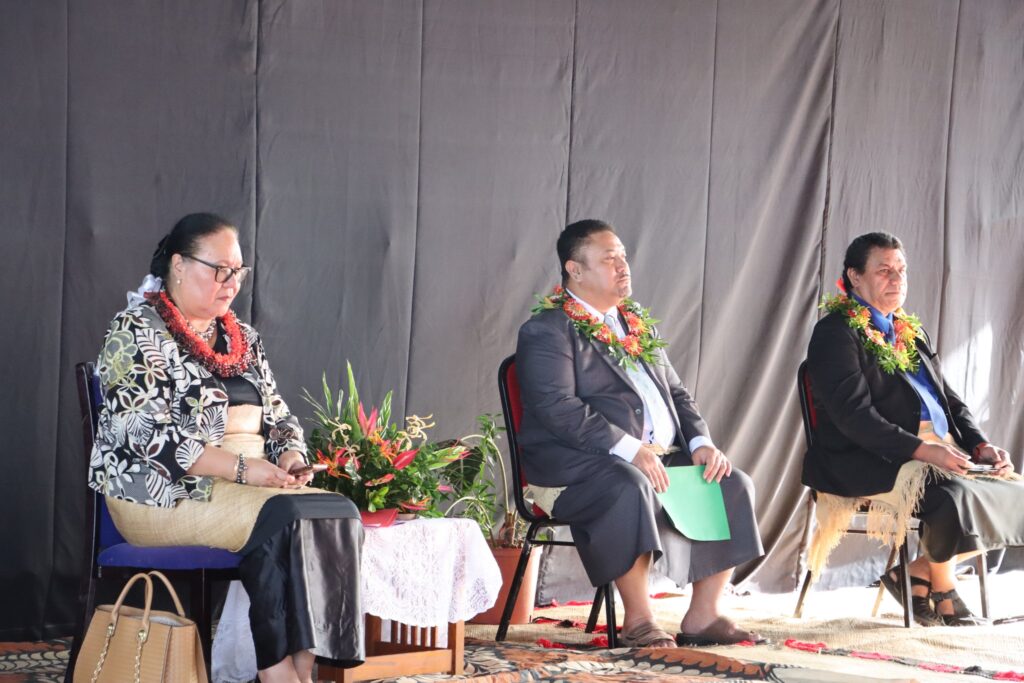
{"points": [[241, 470]]}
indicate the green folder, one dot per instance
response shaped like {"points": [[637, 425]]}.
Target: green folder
{"points": [[695, 506]]}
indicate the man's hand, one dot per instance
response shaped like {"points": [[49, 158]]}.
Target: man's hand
{"points": [[650, 464], [995, 456], [716, 465], [942, 455]]}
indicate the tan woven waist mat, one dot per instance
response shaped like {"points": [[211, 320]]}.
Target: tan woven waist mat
{"points": [[224, 521]]}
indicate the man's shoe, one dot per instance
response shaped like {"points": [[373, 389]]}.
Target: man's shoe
{"points": [[721, 631], [921, 606]]}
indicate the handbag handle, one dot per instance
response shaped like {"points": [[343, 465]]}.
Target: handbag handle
{"points": [[144, 633], [170, 589]]}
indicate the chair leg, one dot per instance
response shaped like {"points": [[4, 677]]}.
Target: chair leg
{"points": [[907, 601], [609, 607], [517, 581], [881, 588], [87, 599], [595, 610], [804, 587], [981, 562]]}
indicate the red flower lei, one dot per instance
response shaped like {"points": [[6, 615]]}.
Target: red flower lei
{"points": [[230, 364], [639, 342]]}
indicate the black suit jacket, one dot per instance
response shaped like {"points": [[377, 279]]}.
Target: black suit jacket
{"points": [[578, 402], [868, 419]]}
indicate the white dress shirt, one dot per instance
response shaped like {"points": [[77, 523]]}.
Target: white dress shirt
{"points": [[659, 427]]}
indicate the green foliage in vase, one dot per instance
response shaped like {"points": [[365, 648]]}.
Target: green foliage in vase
{"points": [[373, 461]]}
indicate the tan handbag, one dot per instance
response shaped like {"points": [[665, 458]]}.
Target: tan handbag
{"points": [[126, 643]]}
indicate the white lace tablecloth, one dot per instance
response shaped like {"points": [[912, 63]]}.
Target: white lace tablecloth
{"points": [[425, 572]]}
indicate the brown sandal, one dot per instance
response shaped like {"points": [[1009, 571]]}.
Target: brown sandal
{"points": [[646, 634]]}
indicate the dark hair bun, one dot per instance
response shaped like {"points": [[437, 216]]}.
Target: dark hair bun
{"points": [[161, 259]]}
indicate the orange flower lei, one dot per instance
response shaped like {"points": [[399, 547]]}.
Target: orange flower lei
{"points": [[639, 342], [899, 355], [229, 364]]}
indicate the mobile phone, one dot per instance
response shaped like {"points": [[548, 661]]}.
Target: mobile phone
{"points": [[979, 468], [306, 469]]}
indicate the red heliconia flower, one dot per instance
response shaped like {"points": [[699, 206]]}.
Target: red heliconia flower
{"points": [[841, 285], [631, 345], [558, 289], [405, 458], [367, 424], [343, 461], [381, 480]]}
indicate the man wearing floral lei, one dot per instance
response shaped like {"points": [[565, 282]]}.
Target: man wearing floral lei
{"points": [[603, 414], [891, 429]]}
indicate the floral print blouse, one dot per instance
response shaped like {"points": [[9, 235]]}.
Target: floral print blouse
{"points": [[161, 407]]}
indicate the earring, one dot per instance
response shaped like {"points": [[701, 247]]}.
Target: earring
{"points": [[178, 281]]}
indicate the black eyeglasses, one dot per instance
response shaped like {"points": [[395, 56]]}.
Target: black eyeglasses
{"points": [[224, 273]]}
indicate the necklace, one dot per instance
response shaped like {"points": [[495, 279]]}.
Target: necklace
{"points": [[901, 354], [230, 364], [639, 342], [207, 334]]}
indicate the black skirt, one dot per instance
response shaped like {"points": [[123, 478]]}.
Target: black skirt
{"points": [[960, 515], [300, 568], [615, 516]]}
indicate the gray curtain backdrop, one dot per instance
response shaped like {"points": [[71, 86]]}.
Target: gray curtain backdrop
{"points": [[400, 170]]}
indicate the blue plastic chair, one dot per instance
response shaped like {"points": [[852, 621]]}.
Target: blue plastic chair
{"points": [[110, 556]]}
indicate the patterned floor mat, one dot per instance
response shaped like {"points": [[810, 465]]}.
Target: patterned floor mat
{"points": [[42, 662], [485, 662]]}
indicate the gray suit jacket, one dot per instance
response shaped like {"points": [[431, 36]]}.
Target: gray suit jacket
{"points": [[578, 402]]}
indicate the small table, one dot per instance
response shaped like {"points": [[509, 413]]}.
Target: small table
{"points": [[420, 575]]}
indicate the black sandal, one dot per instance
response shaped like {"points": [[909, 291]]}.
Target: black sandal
{"points": [[921, 605], [961, 616]]}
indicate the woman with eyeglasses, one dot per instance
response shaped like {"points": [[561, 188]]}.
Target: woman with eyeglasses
{"points": [[195, 446]]}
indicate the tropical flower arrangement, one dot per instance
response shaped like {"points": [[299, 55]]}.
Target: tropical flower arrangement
{"points": [[373, 461], [901, 354], [640, 341]]}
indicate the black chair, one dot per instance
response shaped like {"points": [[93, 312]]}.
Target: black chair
{"points": [[109, 556], [810, 419], [539, 521]]}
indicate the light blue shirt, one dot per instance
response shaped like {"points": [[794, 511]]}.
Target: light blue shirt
{"points": [[659, 427]]}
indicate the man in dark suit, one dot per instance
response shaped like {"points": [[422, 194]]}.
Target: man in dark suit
{"points": [[883, 408], [599, 426]]}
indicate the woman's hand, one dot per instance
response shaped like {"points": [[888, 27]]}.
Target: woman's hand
{"points": [[288, 461], [264, 473]]}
